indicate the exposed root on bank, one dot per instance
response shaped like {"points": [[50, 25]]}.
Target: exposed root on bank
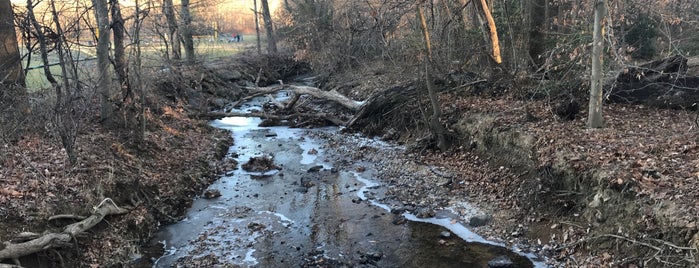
{"points": [[10, 250]]}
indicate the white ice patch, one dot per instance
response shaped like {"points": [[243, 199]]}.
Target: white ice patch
{"points": [[368, 184], [236, 122], [283, 219], [306, 146], [249, 258]]}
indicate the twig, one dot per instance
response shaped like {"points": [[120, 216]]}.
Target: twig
{"points": [[672, 245], [469, 84], [630, 240], [67, 216]]}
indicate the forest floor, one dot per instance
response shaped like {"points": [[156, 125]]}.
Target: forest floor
{"points": [[155, 179], [625, 195]]}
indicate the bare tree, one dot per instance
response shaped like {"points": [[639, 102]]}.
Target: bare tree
{"points": [[65, 117], [495, 44], [186, 31], [257, 27], [172, 33], [120, 64], [594, 118], [269, 28], [103, 74], [435, 125], [137, 69]]}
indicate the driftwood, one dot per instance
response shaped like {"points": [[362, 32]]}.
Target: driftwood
{"points": [[304, 90], [53, 240], [666, 83], [297, 91]]}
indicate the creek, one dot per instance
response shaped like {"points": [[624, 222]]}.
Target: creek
{"points": [[312, 212]]}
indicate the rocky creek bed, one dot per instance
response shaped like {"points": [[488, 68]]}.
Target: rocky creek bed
{"points": [[324, 202]]}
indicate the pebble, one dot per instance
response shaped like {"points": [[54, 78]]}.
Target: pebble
{"points": [[445, 234], [500, 262]]}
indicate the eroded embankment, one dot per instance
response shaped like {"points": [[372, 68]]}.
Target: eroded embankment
{"points": [[597, 214]]}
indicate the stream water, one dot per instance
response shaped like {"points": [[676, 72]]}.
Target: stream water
{"points": [[309, 213]]}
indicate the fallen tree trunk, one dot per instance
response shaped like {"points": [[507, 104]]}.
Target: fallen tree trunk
{"points": [[53, 240], [666, 83], [304, 90]]}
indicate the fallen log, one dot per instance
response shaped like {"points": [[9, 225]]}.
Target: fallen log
{"points": [[304, 90], [666, 83], [11, 250]]}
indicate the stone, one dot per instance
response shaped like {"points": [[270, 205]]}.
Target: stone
{"points": [[315, 168], [501, 261], [479, 220], [211, 193], [445, 234]]}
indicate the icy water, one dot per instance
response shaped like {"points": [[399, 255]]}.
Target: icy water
{"points": [[310, 214]]}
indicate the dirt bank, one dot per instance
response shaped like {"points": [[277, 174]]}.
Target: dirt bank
{"points": [[618, 196]]}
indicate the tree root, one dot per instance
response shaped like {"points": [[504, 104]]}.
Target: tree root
{"points": [[11, 250]]}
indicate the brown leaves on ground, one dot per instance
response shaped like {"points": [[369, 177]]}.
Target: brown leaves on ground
{"points": [[650, 154], [158, 177], [653, 151]]}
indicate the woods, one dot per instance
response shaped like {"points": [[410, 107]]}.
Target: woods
{"points": [[98, 98]]}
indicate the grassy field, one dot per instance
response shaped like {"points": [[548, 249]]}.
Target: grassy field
{"points": [[152, 56]]}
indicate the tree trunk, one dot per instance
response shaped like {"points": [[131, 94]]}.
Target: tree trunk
{"points": [[172, 34], [435, 125], [103, 74], [269, 28], [120, 64], [594, 118], [257, 27], [65, 120], [187, 32], [11, 72], [13, 95], [43, 48], [494, 42], [537, 29], [137, 81]]}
